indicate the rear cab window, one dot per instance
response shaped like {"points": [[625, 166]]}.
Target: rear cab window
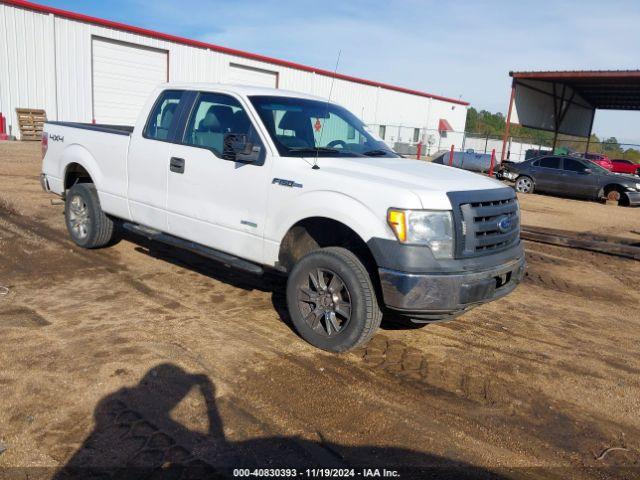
{"points": [[163, 118]]}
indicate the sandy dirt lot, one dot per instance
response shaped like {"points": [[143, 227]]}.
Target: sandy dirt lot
{"points": [[142, 355], [580, 216]]}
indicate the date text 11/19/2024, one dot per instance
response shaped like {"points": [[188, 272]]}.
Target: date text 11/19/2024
{"points": [[316, 473]]}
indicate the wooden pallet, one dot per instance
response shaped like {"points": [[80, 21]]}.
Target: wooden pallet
{"points": [[31, 122]]}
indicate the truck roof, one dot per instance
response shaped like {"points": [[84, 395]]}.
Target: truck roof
{"points": [[246, 90]]}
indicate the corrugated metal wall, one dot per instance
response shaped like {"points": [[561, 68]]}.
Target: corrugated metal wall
{"points": [[27, 62], [45, 62]]}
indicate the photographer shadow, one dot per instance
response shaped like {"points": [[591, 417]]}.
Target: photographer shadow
{"points": [[135, 437]]}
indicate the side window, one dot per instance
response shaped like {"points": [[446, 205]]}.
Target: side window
{"points": [[416, 135], [215, 115], [550, 162], [574, 165], [163, 114]]}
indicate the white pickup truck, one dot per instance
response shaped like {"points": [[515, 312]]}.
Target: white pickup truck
{"points": [[261, 178]]}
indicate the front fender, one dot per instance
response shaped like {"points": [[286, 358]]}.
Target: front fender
{"points": [[328, 204]]}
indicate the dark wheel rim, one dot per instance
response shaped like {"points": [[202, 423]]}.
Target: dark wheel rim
{"points": [[523, 185], [79, 219], [325, 302]]}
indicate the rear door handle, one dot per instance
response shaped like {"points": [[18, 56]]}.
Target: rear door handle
{"points": [[176, 165]]}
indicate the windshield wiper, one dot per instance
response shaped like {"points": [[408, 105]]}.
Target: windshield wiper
{"points": [[315, 149], [376, 153]]}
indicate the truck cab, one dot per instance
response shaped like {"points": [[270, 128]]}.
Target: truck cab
{"points": [[269, 179]]}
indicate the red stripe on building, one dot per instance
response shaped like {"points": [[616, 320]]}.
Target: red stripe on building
{"points": [[217, 48]]}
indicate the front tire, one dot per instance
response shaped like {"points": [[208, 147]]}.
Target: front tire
{"points": [[332, 300], [88, 225], [524, 184]]}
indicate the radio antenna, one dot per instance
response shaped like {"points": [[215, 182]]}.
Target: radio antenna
{"points": [[326, 112]]}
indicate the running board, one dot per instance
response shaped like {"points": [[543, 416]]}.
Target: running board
{"points": [[224, 258]]}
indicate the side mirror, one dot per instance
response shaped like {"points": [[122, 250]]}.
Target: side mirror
{"points": [[237, 148], [587, 171]]}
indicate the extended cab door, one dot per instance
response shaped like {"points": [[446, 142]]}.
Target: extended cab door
{"points": [[148, 160], [211, 198]]}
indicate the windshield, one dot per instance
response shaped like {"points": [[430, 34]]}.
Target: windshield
{"points": [[301, 127]]}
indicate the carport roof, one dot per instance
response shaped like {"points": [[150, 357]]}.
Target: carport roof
{"points": [[604, 89]]}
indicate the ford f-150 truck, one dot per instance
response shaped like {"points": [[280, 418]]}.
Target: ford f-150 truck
{"points": [[268, 179]]}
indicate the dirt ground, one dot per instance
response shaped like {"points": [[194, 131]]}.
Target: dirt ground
{"points": [[142, 355], [580, 216]]}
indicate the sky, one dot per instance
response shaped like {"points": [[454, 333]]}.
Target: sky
{"points": [[460, 49]]}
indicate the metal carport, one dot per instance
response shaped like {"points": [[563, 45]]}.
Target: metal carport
{"points": [[565, 101]]}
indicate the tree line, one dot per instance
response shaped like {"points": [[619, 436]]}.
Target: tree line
{"points": [[490, 124]]}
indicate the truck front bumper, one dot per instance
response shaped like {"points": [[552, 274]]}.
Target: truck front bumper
{"points": [[441, 294]]}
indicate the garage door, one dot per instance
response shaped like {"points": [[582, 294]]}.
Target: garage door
{"points": [[257, 77], [123, 77]]}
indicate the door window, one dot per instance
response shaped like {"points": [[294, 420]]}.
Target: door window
{"points": [[215, 115], [550, 162], [572, 165], [163, 116]]}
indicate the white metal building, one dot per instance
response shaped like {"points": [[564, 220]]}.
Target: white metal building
{"points": [[84, 69]]}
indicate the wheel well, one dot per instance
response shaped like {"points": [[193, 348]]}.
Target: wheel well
{"points": [[75, 173], [611, 187], [319, 232]]}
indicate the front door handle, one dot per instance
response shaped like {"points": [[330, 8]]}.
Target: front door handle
{"points": [[176, 165]]}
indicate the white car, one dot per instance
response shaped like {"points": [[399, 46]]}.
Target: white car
{"points": [[261, 178]]}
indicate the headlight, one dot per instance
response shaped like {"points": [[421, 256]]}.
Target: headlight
{"points": [[424, 227], [638, 186]]}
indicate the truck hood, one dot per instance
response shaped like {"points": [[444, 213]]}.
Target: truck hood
{"points": [[429, 181]]}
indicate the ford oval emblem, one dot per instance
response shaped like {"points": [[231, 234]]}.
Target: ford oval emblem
{"points": [[504, 224]]}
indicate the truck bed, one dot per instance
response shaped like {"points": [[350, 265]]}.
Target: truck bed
{"points": [[101, 150], [97, 127]]}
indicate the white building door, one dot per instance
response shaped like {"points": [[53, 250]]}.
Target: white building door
{"points": [[256, 77], [123, 77]]}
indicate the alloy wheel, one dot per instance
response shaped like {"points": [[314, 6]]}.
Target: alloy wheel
{"points": [[524, 185], [79, 217], [325, 302]]}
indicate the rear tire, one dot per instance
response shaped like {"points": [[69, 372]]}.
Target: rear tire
{"points": [[88, 225], [524, 184], [332, 300]]}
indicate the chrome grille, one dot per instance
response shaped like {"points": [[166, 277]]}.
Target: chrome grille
{"points": [[486, 224]]}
